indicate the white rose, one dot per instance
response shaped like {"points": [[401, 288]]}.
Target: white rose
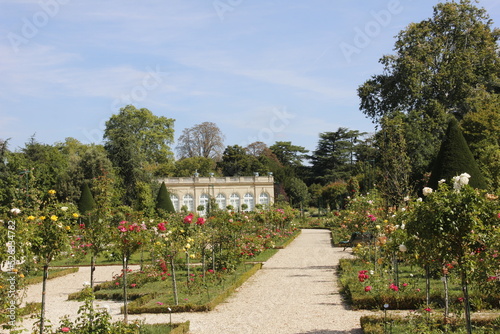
{"points": [[464, 179], [427, 191], [15, 211]]}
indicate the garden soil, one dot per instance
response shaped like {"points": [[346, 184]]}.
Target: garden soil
{"points": [[295, 292]]}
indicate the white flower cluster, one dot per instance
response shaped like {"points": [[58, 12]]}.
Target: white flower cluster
{"points": [[427, 191], [460, 181]]}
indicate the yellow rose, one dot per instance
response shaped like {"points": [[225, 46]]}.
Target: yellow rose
{"points": [[76, 215], [31, 218], [53, 218], [68, 228], [21, 275], [158, 243], [192, 256], [42, 217], [52, 192]]}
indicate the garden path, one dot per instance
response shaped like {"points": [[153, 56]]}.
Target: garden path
{"points": [[294, 293]]}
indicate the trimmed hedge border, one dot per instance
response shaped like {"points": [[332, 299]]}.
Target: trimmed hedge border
{"points": [[60, 273], [373, 324], [181, 328]]}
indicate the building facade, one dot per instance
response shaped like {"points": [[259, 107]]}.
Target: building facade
{"points": [[235, 191]]}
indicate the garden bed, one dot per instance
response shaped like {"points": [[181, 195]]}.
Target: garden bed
{"points": [[427, 323], [379, 288]]}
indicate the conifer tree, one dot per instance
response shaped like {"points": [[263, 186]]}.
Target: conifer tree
{"points": [[455, 158], [86, 202], [163, 201]]}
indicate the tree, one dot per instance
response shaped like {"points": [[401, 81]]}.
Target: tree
{"points": [[334, 158], [297, 191], [163, 201], [394, 162], [236, 162], [138, 142], [188, 166], [202, 140], [256, 148], [455, 158], [288, 154], [481, 127], [86, 202], [440, 64], [441, 60]]}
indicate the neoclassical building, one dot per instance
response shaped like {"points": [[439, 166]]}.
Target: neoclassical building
{"points": [[194, 191]]}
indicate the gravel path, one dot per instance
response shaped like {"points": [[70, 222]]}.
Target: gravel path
{"points": [[294, 293]]}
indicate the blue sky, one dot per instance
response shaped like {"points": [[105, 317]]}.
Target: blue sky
{"points": [[282, 70]]}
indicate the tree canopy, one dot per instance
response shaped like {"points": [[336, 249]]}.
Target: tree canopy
{"points": [[442, 66], [138, 142], [202, 140]]}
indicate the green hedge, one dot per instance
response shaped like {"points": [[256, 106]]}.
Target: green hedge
{"points": [[181, 328], [53, 273], [380, 324]]}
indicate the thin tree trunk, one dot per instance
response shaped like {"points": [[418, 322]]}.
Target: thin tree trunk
{"points": [[465, 291], [446, 299], [174, 281], [125, 310], [92, 269], [44, 290], [427, 285]]}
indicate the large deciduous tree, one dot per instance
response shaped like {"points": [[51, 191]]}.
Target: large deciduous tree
{"points": [[440, 65], [202, 140], [138, 143]]}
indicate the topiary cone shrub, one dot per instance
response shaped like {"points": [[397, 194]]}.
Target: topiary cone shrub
{"points": [[86, 202], [163, 201], [455, 158]]}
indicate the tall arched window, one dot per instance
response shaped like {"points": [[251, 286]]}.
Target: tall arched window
{"points": [[264, 199], [248, 200], [221, 201], [204, 200], [188, 201], [175, 202], [234, 200]]}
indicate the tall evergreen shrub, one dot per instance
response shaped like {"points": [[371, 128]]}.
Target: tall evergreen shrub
{"points": [[163, 201], [455, 158], [86, 202]]}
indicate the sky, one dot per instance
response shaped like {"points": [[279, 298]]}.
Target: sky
{"points": [[261, 70]]}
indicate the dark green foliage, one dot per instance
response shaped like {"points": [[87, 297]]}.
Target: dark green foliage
{"points": [[335, 156], [163, 201], [86, 202], [455, 158], [236, 162]]}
